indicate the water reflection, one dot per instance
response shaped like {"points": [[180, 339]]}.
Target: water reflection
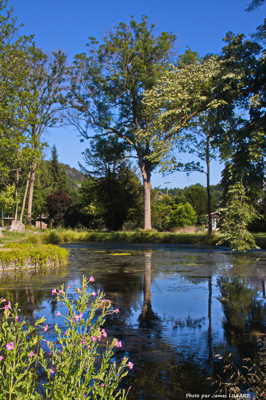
{"points": [[147, 318], [244, 313], [178, 308]]}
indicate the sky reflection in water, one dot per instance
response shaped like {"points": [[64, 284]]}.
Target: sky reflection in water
{"points": [[174, 307]]}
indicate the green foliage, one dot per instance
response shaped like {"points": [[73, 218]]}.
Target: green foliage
{"points": [[13, 88], [7, 198], [169, 213], [18, 255], [182, 215], [235, 219], [107, 86], [140, 236], [80, 363], [19, 343], [57, 172], [195, 195], [112, 192], [182, 93]]}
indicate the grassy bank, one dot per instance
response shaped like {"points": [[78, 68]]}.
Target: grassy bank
{"points": [[68, 236], [19, 256], [60, 236]]}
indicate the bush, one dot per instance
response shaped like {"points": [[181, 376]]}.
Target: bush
{"points": [[79, 364]]}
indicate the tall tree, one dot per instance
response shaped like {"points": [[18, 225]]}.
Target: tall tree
{"points": [[205, 132], [115, 186], [107, 91], [243, 146], [13, 92], [45, 84], [58, 175], [182, 96]]}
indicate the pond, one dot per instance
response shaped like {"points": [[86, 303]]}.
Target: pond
{"points": [[180, 308]]}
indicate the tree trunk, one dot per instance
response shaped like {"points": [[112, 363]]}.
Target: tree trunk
{"points": [[24, 199], [208, 186], [146, 176], [16, 195], [31, 188]]}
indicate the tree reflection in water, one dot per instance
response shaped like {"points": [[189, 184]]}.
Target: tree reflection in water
{"points": [[147, 318]]}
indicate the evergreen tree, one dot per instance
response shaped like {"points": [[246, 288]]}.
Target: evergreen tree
{"points": [[236, 216], [58, 175]]}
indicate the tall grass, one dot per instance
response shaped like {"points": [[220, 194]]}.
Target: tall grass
{"points": [[57, 236], [140, 236]]}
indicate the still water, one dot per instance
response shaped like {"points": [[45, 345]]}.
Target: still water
{"points": [[180, 307]]}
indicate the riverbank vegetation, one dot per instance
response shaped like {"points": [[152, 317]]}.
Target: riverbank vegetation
{"points": [[78, 364], [123, 88], [61, 236]]}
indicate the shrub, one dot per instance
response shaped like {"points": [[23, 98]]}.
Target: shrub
{"points": [[79, 364]]}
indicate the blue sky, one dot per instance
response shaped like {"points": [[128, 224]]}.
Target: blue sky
{"points": [[66, 25]]}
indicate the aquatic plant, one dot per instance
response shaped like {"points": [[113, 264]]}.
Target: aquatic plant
{"points": [[80, 363], [20, 255]]}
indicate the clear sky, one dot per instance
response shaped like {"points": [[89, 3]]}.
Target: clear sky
{"points": [[66, 25]]}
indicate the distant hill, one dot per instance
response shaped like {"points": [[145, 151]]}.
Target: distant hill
{"points": [[74, 176]]}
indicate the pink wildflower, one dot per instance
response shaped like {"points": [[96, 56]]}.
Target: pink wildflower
{"points": [[104, 333], [91, 279], [118, 343], [2, 300], [130, 365], [77, 317], [52, 371], [10, 346], [94, 294], [116, 311], [94, 338], [106, 303], [45, 328], [58, 314], [1, 358], [16, 318], [83, 341], [31, 354], [54, 291], [61, 291], [7, 306]]}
